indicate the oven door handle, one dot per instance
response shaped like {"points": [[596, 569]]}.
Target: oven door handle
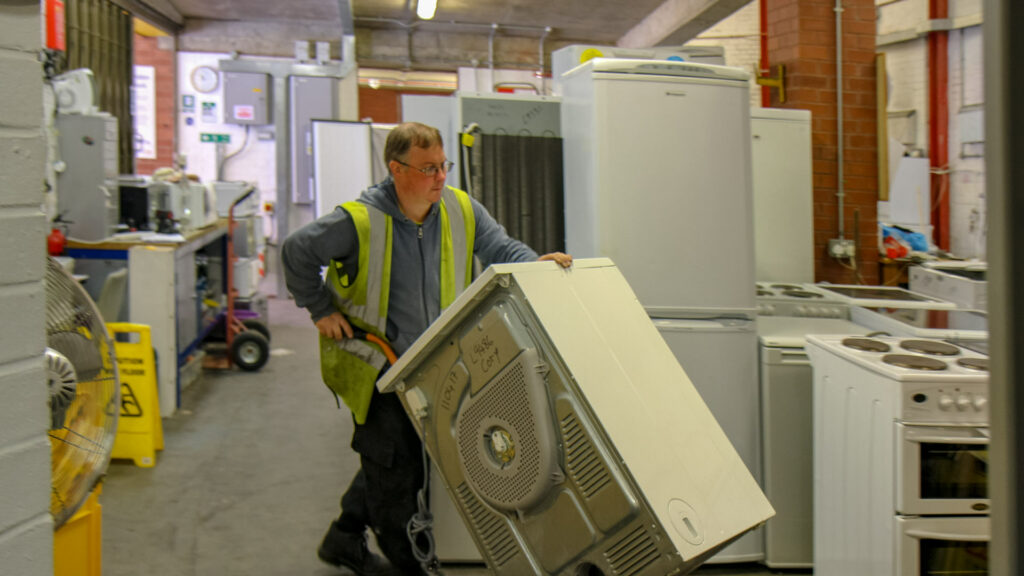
{"points": [[922, 438], [929, 535]]}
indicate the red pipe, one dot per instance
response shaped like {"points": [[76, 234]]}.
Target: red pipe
{"points": [[766, 99], [938, 120]]}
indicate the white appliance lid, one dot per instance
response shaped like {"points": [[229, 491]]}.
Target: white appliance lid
{"points": [[791, 332], [663, 68], [883, 296]]}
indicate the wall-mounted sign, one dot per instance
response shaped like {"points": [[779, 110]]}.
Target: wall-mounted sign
{"points": [[144, 111], [216, 138], [209, 112], [188, 103]]}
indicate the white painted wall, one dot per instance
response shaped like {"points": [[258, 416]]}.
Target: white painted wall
{"points": [[26, 528], [906, 48]]}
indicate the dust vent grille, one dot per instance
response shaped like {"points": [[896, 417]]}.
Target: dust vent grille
{"points": [[507, 397], [491, 528], [632, 554], [585, 465]]}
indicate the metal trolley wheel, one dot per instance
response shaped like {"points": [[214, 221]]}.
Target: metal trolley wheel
{"points": [[250, 350]]}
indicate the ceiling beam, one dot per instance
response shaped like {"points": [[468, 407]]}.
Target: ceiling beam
{"points": [[159, 13], [678, 21]]}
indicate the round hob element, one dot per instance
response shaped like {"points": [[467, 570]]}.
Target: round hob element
{"points": [[866, 344], [930, 347], [915, 362], [801, 294], [979, 364], [762, 292], [787, 287]]}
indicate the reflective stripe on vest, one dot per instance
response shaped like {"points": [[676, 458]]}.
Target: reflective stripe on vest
{"points": [[458, 229]]}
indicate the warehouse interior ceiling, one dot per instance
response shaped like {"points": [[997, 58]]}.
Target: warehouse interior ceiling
{"points": [[389, 34]]}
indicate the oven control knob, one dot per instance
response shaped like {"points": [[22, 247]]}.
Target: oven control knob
{"points": [[945, 402], [963, 402], [980, 403]]}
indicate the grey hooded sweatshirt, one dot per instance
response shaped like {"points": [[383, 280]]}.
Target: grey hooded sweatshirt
{"points": [[415, 299]]}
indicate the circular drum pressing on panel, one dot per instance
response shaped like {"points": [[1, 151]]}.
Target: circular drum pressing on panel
{"points": [[866, 344], [930, 347], [980, 364], [915, 362]]}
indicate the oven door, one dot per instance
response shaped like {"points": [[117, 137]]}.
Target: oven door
{"points": [[942, 470], [942, 546]]}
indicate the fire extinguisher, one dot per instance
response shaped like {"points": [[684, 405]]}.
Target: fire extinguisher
{"points": [[57, 241]]}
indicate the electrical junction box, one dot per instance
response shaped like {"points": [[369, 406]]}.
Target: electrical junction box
{"points": [[565, 431], [246, 98]]}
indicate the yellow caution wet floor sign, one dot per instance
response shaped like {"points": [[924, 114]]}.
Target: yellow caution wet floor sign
{"points": [[140, 432]]}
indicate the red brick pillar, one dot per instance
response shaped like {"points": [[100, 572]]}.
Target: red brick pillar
{"points": [[147, 52], [802, 36]]}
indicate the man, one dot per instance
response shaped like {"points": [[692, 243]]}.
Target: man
{"points": [[395, 258]]}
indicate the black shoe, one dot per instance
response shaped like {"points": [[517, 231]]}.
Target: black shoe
{"points": [[349, 549]]}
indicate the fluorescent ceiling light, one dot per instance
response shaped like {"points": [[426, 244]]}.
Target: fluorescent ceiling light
{"points": [[425, 8]]}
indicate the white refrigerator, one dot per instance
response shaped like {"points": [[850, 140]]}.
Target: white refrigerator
{"points": [[657, 160]]}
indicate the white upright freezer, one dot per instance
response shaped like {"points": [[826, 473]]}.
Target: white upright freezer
{"points": [[657, 160]]}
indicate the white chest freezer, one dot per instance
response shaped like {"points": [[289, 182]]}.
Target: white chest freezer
{"points": [[567, 434]]}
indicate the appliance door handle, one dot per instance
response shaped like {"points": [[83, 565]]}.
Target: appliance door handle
{"points": [[929, 535], [946, 439], [795, 359]]}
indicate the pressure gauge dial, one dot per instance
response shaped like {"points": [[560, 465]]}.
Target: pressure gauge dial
{"points": [[205, 79]]}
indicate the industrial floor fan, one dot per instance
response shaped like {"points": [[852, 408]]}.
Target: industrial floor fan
{"points": [[85, 391]]}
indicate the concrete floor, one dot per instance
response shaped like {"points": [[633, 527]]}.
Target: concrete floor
{"points": [[253, 467]]}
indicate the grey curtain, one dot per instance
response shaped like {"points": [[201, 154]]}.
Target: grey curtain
{"points": [[519, 180]]}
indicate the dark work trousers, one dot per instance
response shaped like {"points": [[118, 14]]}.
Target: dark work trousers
{"points": [[382, 495]]}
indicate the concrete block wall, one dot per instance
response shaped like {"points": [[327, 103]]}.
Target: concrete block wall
{"points": [[740, 35], [26, 528], [801, 35]]}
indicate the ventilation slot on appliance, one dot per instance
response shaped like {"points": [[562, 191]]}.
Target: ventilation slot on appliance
{"points": [[632, 554], [585, 466], [491, 528]]}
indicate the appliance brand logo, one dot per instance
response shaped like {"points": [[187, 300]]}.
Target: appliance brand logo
{"points": [[675, 93]]}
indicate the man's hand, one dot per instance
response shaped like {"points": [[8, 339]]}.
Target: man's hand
{"points": [[564, 260], [334, 326]]}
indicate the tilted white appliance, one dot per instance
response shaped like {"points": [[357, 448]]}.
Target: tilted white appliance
{"points": [[787, 433], [900, 457], [963, 283], [799, 300], [885, 296], [663, 147], [924, 323], [566, 432]]}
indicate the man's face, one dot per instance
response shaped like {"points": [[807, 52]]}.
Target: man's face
{"points": [[413, 184]]}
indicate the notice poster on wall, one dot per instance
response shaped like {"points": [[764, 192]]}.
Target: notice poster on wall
{"points": [[144, 111]]}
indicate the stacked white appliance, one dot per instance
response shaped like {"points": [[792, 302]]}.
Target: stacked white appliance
{"points": [[900, 457], [658, 178]]}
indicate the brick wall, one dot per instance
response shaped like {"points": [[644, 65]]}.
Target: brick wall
{"points": [[26, 528], [384, 105], [158, 52], [801, 35]]}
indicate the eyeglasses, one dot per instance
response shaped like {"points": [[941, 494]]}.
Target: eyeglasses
{"points": [[431, 170]]}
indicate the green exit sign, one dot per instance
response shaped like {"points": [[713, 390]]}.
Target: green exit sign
{"points": [[218, 138]]}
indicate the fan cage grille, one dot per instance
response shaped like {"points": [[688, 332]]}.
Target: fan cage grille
{"points": [[81, 441]]}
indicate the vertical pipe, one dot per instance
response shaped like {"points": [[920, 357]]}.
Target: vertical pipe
{"points": [[490, 57], [938, 120], [841, 193], [540, 60], [766, 99]]}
